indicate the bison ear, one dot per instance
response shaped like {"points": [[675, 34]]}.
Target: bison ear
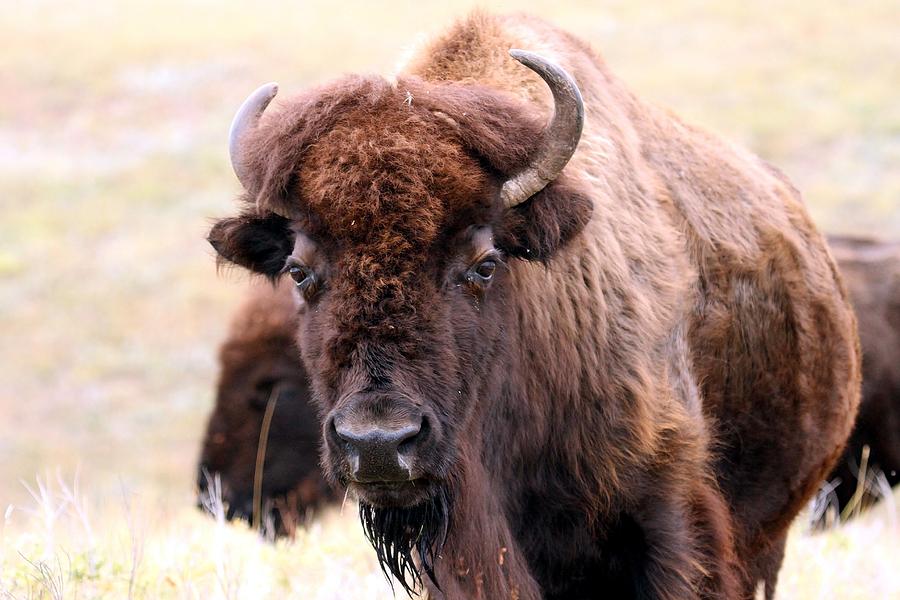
{"points": [[538, 227], [258, 243]]}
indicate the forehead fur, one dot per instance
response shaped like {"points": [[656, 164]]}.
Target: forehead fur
{"points": [[387, 172], [388, 165], [363, 156]]}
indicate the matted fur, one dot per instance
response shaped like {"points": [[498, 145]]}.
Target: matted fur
{"points": [[408, 540], [653, 385]]}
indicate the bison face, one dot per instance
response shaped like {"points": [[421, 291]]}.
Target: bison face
{"points": [[260, 374], [395, 208], [399, 356]]}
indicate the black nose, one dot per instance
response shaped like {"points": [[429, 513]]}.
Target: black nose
{"points": [[378, 451]]}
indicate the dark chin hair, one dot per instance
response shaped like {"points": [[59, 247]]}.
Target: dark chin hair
{"points": [[396, 533]]}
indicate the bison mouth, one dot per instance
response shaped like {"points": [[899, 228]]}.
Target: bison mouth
{"points": [[408, 538], [395, 494]]}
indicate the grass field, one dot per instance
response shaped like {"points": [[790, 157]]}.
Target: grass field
{"points": [[62, 544], [112, 163]]}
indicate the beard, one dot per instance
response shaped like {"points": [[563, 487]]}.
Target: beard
{"points": [[400, 534]]}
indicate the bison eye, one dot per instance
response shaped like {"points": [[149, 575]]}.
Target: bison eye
{"points": [[486, 269], [481, 274], [301, 275], [304, 278]]}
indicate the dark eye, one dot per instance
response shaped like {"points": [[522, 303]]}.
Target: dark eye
{"points": [[486, 269], [304, 278], [481, 274]]}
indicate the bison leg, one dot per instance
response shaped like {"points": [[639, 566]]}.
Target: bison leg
{"points": [[765, 569], [689, 549], [712, 525]]}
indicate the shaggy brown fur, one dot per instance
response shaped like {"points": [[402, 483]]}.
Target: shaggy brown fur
{"points": [[871, 270], [649, 389], [259, 358]]}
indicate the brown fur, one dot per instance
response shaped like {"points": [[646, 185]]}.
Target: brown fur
{"points": [[258, 357], [871, 270], [650, 389]]}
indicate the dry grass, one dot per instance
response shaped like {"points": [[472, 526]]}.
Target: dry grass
{"points": [[112, 162], [160, 547], [133, 546]]}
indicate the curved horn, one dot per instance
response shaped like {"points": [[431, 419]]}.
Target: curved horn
{"points": [[245, 119], [560, 137]]}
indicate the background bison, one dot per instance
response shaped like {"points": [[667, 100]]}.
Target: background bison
{"points": [[260, 364], [871, 271], [547, 378]]}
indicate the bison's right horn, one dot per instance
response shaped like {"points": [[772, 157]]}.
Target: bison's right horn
{"points": [[560, 137], [244, 121]]}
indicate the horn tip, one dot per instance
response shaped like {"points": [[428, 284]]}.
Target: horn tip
{"points": [[518, 53], [264, 93], [271, 88], [532, 60], [246, 118]]}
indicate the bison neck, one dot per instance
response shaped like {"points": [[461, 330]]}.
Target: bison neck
{"points": [[592, 399]]}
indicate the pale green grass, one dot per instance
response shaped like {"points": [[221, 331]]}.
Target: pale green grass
{"points": [[113, 162], [128, 545], [856, 561], [60, 544]]}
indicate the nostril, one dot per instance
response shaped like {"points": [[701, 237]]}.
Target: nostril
{"points": [[402, 437], [375, 436], [375, 450], [333, 433], [343, 440], [412, 436]]}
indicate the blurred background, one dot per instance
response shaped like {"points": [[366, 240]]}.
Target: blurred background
{"points": [[113, 163]]}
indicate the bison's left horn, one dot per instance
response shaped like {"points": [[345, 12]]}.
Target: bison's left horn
{"points": [[560, 137], [244, 121]]}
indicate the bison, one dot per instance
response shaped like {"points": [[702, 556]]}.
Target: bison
{"points": [[871, 270], [564, 344], [278, 485]]}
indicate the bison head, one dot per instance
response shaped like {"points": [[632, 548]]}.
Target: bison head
{"points": [[273, 480], [397, 209]]}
